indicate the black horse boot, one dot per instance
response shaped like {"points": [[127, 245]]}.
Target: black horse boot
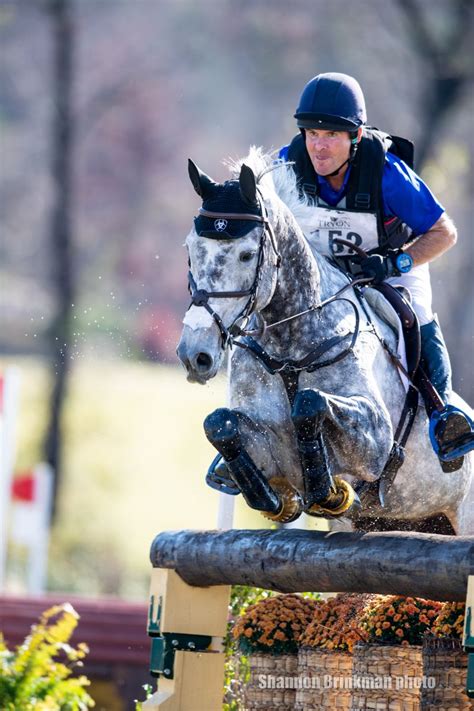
{"points": [[451, 429]]}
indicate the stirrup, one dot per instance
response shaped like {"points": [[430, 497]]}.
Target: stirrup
{"points": [[451, 433], [218, 477]]}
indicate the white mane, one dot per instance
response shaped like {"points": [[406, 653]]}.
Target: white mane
{"points": [[278, 176]]}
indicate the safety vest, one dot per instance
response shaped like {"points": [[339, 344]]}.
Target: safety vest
{"points": [[358, 217]]}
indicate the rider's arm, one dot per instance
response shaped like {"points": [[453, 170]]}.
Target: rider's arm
{"points": [[406, 195], [434, 242]]}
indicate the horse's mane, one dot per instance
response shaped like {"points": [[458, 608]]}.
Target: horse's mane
{"points": [[277, 176]]}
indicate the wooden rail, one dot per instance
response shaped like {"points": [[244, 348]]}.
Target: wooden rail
{"points": [[418, 564]]}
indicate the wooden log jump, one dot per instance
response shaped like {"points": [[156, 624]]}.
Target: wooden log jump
{"points": [[292, 560], [193, 571]]}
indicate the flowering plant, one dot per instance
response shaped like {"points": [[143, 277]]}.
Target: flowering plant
{"points": [[335, 623], [39, 674], [274, 625], [450, 621], [393, 619]]}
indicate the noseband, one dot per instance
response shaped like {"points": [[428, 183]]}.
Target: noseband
{"points": [[200, 297]]}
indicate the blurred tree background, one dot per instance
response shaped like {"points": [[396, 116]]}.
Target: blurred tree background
{"points": [[103, 101]]}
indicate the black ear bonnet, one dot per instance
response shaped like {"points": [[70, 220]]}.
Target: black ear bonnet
{"points": [[226, 198]]}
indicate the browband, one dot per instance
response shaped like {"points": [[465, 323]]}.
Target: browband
{"points": [[232, 215]]}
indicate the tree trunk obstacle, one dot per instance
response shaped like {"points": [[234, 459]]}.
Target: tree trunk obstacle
{"points": [[416, 564], [193, 572]]}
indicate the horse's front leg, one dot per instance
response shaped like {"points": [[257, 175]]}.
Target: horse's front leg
{"points": [[233, 433], [323, 495], [355, 433]]}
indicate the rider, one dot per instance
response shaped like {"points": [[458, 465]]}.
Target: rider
{"points": [[365, 193]]}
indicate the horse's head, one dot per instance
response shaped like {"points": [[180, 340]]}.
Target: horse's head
{"points": [[232, 268]]}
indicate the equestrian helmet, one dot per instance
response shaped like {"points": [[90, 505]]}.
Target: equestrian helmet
{"points": [[332, 102]]}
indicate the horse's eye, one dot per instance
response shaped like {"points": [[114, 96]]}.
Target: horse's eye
{"points": [[246, 256]]}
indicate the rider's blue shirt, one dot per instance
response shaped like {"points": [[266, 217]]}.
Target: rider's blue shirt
{"points": [[404, 194]]}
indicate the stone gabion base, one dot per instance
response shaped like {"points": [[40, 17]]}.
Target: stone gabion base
{"points": [[323, 676], [260, 694], [378, 664], [445, 661]]}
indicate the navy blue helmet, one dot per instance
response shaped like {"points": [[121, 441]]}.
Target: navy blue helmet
{"points": [[332, 102]]}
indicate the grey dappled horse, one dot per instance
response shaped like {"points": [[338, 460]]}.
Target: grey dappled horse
{"points": [[314, 397]]}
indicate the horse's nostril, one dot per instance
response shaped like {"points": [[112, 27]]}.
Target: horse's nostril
{"points": [[203, 361]]}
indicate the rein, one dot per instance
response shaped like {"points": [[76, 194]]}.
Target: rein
{"points": [[309, 362], [315, 307]]}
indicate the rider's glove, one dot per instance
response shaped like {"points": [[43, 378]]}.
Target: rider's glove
{"points": [[378, 267]]}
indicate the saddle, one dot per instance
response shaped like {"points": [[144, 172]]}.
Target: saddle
{"points": [[399, 299]]}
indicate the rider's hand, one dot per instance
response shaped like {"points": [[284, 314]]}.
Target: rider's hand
{"points": [[378, 268]]}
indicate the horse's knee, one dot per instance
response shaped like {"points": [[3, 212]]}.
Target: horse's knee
{"points": [[222, 430], [309, 409]]}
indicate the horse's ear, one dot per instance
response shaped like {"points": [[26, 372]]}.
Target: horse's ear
{"points": [[248, 185], [202, 183]]}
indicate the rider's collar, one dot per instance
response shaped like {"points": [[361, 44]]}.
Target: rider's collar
{"points": [[327, 192]]}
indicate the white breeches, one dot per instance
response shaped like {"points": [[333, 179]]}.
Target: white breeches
{"points": [[418, 282]]}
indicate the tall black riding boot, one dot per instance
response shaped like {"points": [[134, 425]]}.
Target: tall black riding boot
{"points": [[451, 429]]}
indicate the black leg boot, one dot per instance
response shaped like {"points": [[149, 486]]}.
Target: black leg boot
{"points": [[451, 429]]}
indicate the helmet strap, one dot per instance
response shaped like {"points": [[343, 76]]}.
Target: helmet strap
{"points": [[335, 172], [352, 153]]}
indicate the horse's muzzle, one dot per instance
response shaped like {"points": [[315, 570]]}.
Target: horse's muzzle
{"points": [[199, 363]]}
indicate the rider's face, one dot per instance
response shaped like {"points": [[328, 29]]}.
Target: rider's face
{"points": [[327, 149]]}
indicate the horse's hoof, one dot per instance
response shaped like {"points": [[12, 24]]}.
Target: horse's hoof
{"points": [[344, 499], [291, 501]]}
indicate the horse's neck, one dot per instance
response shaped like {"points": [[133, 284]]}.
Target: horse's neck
{"points": [[297, 285], [331, 278], [304, 280], [305, 277]]}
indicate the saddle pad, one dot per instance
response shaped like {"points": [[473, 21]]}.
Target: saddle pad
{"points": [[384, 310]]}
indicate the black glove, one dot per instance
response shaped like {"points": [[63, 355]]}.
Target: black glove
{"points": [[379, 268]]}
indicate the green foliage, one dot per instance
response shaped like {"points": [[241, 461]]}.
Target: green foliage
{"points": [[38, 675], [149, 692]]}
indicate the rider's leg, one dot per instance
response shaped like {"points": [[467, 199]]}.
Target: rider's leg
{"points": [[450, 425], [435, 359], [451, 429]]}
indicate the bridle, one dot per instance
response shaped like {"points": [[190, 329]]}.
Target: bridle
{"points": [[200, 297]]}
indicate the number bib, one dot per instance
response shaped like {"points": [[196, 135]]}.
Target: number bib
{"points": [[360, 228]]}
